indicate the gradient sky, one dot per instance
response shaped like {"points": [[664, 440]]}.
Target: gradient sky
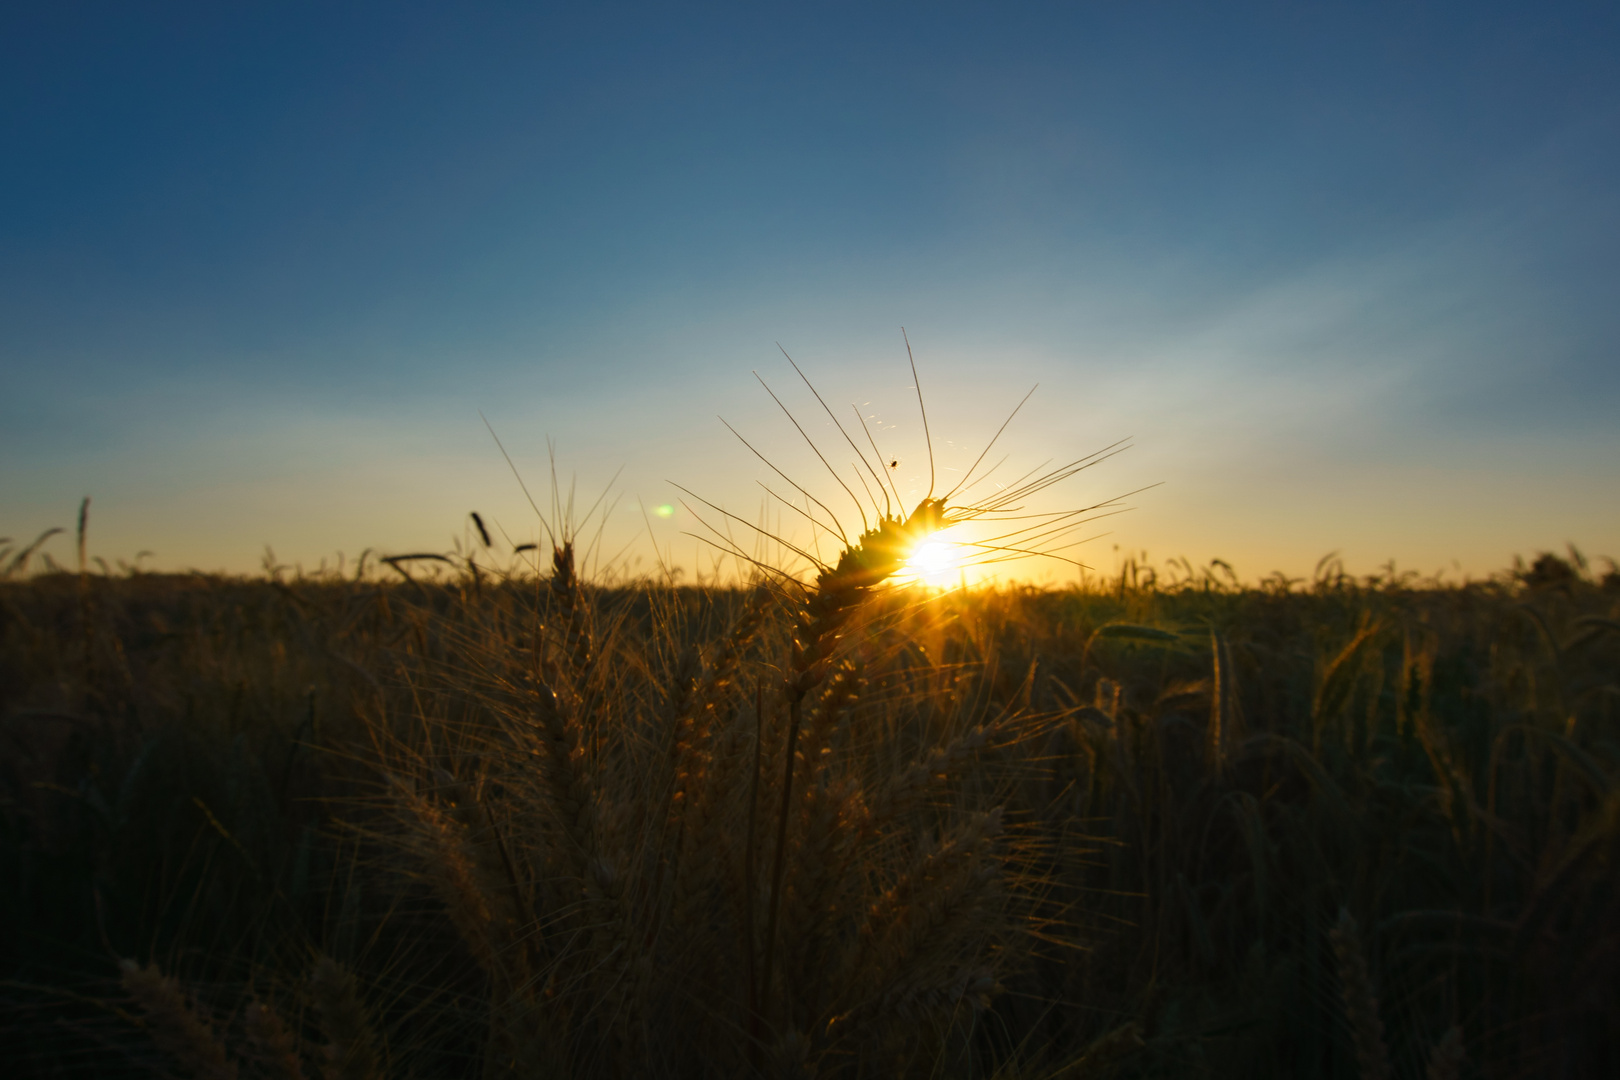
{"points": [[1347, 274]]}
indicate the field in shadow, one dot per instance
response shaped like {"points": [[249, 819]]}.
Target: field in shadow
{"points": [[514, 824]]}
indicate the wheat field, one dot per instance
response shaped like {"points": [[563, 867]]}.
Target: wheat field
{"points": [[474, 817]]}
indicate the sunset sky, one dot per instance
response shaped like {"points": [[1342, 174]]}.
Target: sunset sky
{"points": [[1346, 275]]}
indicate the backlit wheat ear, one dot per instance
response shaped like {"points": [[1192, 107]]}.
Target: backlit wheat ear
{"points": [[565, 596], [175, 1025], [841, 589], [838, 592], [1016, 532]]}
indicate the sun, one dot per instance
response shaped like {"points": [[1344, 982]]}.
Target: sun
{"points": [[936, 562]]}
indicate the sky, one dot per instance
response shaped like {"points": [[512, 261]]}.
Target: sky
{"points": [[1346, 276]]}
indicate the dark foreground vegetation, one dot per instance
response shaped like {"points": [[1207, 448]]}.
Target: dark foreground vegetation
{"points": [[507, 826]]}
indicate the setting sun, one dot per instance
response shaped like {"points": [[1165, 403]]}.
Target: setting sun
{"points": [[936, 562], [948, 541]]}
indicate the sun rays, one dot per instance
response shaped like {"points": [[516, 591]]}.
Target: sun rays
{"points": [[987, 517]]}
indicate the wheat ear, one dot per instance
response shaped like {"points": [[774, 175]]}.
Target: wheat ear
{"points": [[456, 873], [1446, 1059], [176, 1027], [839, 591], [826, 819], [905, 945], [272, 1041], [698, 709], [351, 1051], [1360, 1002], [568, 783], [565, 595]]}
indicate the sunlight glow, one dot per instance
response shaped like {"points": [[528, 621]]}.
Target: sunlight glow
{"points": [[937, 562]]}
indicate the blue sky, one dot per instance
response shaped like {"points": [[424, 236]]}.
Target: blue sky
{"points": [[1348, 274]]}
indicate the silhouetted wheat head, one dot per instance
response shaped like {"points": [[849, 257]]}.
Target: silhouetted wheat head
{"points": [[733, 860], [829, 826]]}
